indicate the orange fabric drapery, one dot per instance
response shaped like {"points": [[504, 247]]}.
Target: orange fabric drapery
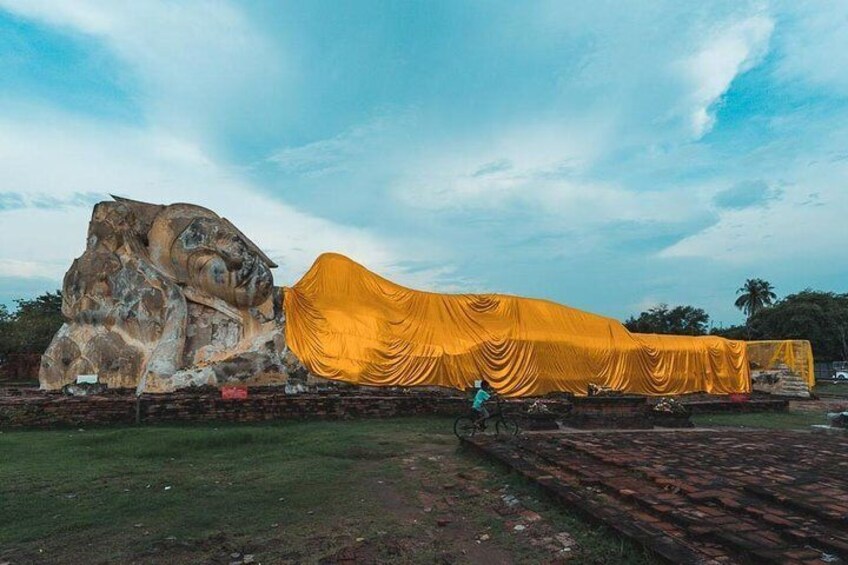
{"points": [[347, 323]]}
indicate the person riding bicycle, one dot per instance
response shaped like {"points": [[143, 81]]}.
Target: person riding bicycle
{"points": [[467, 425], [483, 394]]}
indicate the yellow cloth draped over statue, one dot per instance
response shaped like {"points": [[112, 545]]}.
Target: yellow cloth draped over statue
{"points": [[347, 323], [796, 354]]}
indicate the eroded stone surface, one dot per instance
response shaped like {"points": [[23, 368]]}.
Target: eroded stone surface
{"points": [[166, 297]]}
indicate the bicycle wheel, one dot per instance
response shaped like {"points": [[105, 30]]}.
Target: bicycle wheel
{"points": [[507, 428], [464, 427]]}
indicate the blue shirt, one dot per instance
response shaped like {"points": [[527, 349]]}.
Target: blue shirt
{"points": [[479, 398]]}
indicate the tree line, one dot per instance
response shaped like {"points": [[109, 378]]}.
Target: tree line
{"points": [[31, 326], [820, 317]]}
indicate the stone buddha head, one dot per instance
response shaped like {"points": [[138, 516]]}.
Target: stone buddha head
{"points": [[200, 249], [157, 289]]}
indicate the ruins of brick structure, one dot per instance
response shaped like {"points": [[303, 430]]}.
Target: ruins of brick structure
{"points": [[166, 297], [711, 496], [781, 380]]}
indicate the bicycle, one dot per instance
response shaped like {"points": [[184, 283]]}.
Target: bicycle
{"points": [[467, 426]]}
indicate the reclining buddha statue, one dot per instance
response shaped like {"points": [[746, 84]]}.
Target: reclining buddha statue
{"points": [[167, 297]]}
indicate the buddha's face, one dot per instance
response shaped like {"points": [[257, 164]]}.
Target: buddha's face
{"points": [[216, 258]]}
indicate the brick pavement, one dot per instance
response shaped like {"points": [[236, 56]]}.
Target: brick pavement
{"points": [[700, 496]]}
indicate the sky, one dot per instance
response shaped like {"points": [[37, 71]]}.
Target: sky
{"points": [[603, 155]]}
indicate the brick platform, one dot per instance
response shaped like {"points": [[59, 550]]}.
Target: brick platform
{"points": [[631, 412], [30, 407], [700, 496], [44, 410]]}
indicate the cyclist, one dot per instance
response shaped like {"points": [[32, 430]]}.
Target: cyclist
{"points": [[484, 393]]}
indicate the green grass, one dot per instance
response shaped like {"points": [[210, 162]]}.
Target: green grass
{"points": [[832, 389], [288, 492], [102, 483], [771, 420]]}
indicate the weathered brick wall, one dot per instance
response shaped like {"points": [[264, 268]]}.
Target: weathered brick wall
{"points": [[631, 412], [259, 407], [35, 412], [53, 409], [39, 409]]}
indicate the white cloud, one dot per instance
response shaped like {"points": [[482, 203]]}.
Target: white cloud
{"points": [[550, 170], [343, 151], [543, 165], [728, 52], [154, 166], [814, 44], [31, 269], [802, 227], [202, 65]]}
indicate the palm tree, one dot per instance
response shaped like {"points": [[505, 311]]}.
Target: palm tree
{"points": [[755, 295]]}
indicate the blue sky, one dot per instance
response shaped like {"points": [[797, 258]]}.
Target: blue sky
{"points": [[602, 157]]}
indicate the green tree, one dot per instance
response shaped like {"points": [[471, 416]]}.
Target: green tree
{"points": [[5, 329], [755, 295], [31, 327], [732, 332], [681, 320], [820, 317]]}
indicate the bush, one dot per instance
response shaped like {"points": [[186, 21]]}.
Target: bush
{"points": [[31, 327]]}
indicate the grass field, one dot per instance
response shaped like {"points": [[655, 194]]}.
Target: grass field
{"points": [[839, 390], [399, 490], [772, 420]]}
